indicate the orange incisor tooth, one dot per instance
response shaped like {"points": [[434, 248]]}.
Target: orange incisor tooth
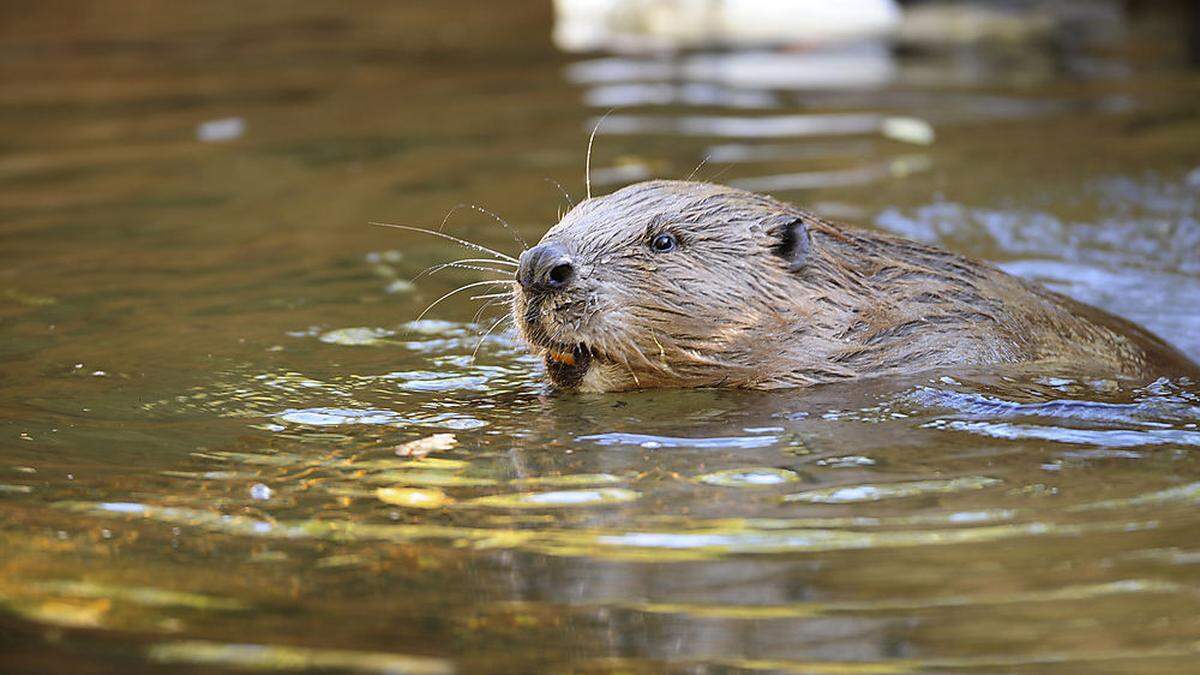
{"points": [[563, 357]]}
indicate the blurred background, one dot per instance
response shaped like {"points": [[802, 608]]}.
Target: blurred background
{"points": [[208, 358]]}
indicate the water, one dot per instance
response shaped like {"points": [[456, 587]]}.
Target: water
{"points": [[226, 442]]}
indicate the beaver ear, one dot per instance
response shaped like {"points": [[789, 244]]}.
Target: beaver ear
{"points": [[792, 241]]}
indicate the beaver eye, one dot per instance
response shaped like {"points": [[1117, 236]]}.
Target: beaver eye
{"points": [[663, 243]]}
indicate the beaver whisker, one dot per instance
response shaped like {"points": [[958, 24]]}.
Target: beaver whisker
{"points": [[492, 295], [483, 308], [483, 337], [459, 290], [587, 163], [462, 242], [461, 264], [512, 230], [702, 163], [563, 190], [489, 261], [480, 209]]}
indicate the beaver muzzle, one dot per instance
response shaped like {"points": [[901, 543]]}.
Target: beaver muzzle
{"points": [[546, 275]]}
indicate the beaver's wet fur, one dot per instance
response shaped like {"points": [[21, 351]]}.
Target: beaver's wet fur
{"points": [[759, 294]]}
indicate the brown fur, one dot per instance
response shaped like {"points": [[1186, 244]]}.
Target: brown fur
{"points": [[728, 308]]}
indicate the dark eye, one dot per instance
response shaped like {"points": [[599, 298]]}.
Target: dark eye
{"points": [[663, 243]]}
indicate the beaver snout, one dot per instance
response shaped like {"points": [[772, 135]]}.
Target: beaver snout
{"points": [[546, 268]]}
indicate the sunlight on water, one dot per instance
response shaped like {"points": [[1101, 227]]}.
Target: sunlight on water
{"points": [[871, 493]]}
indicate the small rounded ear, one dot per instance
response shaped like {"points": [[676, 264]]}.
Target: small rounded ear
{"points": [[792, 241]]}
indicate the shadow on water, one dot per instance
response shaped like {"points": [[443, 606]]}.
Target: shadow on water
{"points": [[229, 442]]}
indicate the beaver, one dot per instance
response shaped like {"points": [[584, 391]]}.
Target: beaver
{"points": [[688, 284]]}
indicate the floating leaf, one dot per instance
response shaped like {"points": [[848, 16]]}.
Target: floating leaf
{"points": [[414, 498], [424, 446]]}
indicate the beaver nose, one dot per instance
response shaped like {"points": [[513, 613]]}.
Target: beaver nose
{"points": [[546, 267]]}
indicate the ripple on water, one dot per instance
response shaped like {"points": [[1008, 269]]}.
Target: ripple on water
{"points": [[568, 480], [1184, 494], [357, 337], [816, 608], [433, 327], [653, 442], [1153, 411], [556, 499], [415, 498], [288, 658], [325, 417], [423, 380], [749, 477], [430, 478], [847, 494], [701, 540], [1113, 438]]}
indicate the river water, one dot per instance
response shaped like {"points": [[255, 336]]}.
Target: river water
{"points": [[227, 443]]}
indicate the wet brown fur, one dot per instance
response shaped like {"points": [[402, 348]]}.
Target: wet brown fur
{"points": [[729, 309]]}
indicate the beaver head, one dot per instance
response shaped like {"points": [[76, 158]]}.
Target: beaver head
{"points": [[665, 284], [680, 284]]}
